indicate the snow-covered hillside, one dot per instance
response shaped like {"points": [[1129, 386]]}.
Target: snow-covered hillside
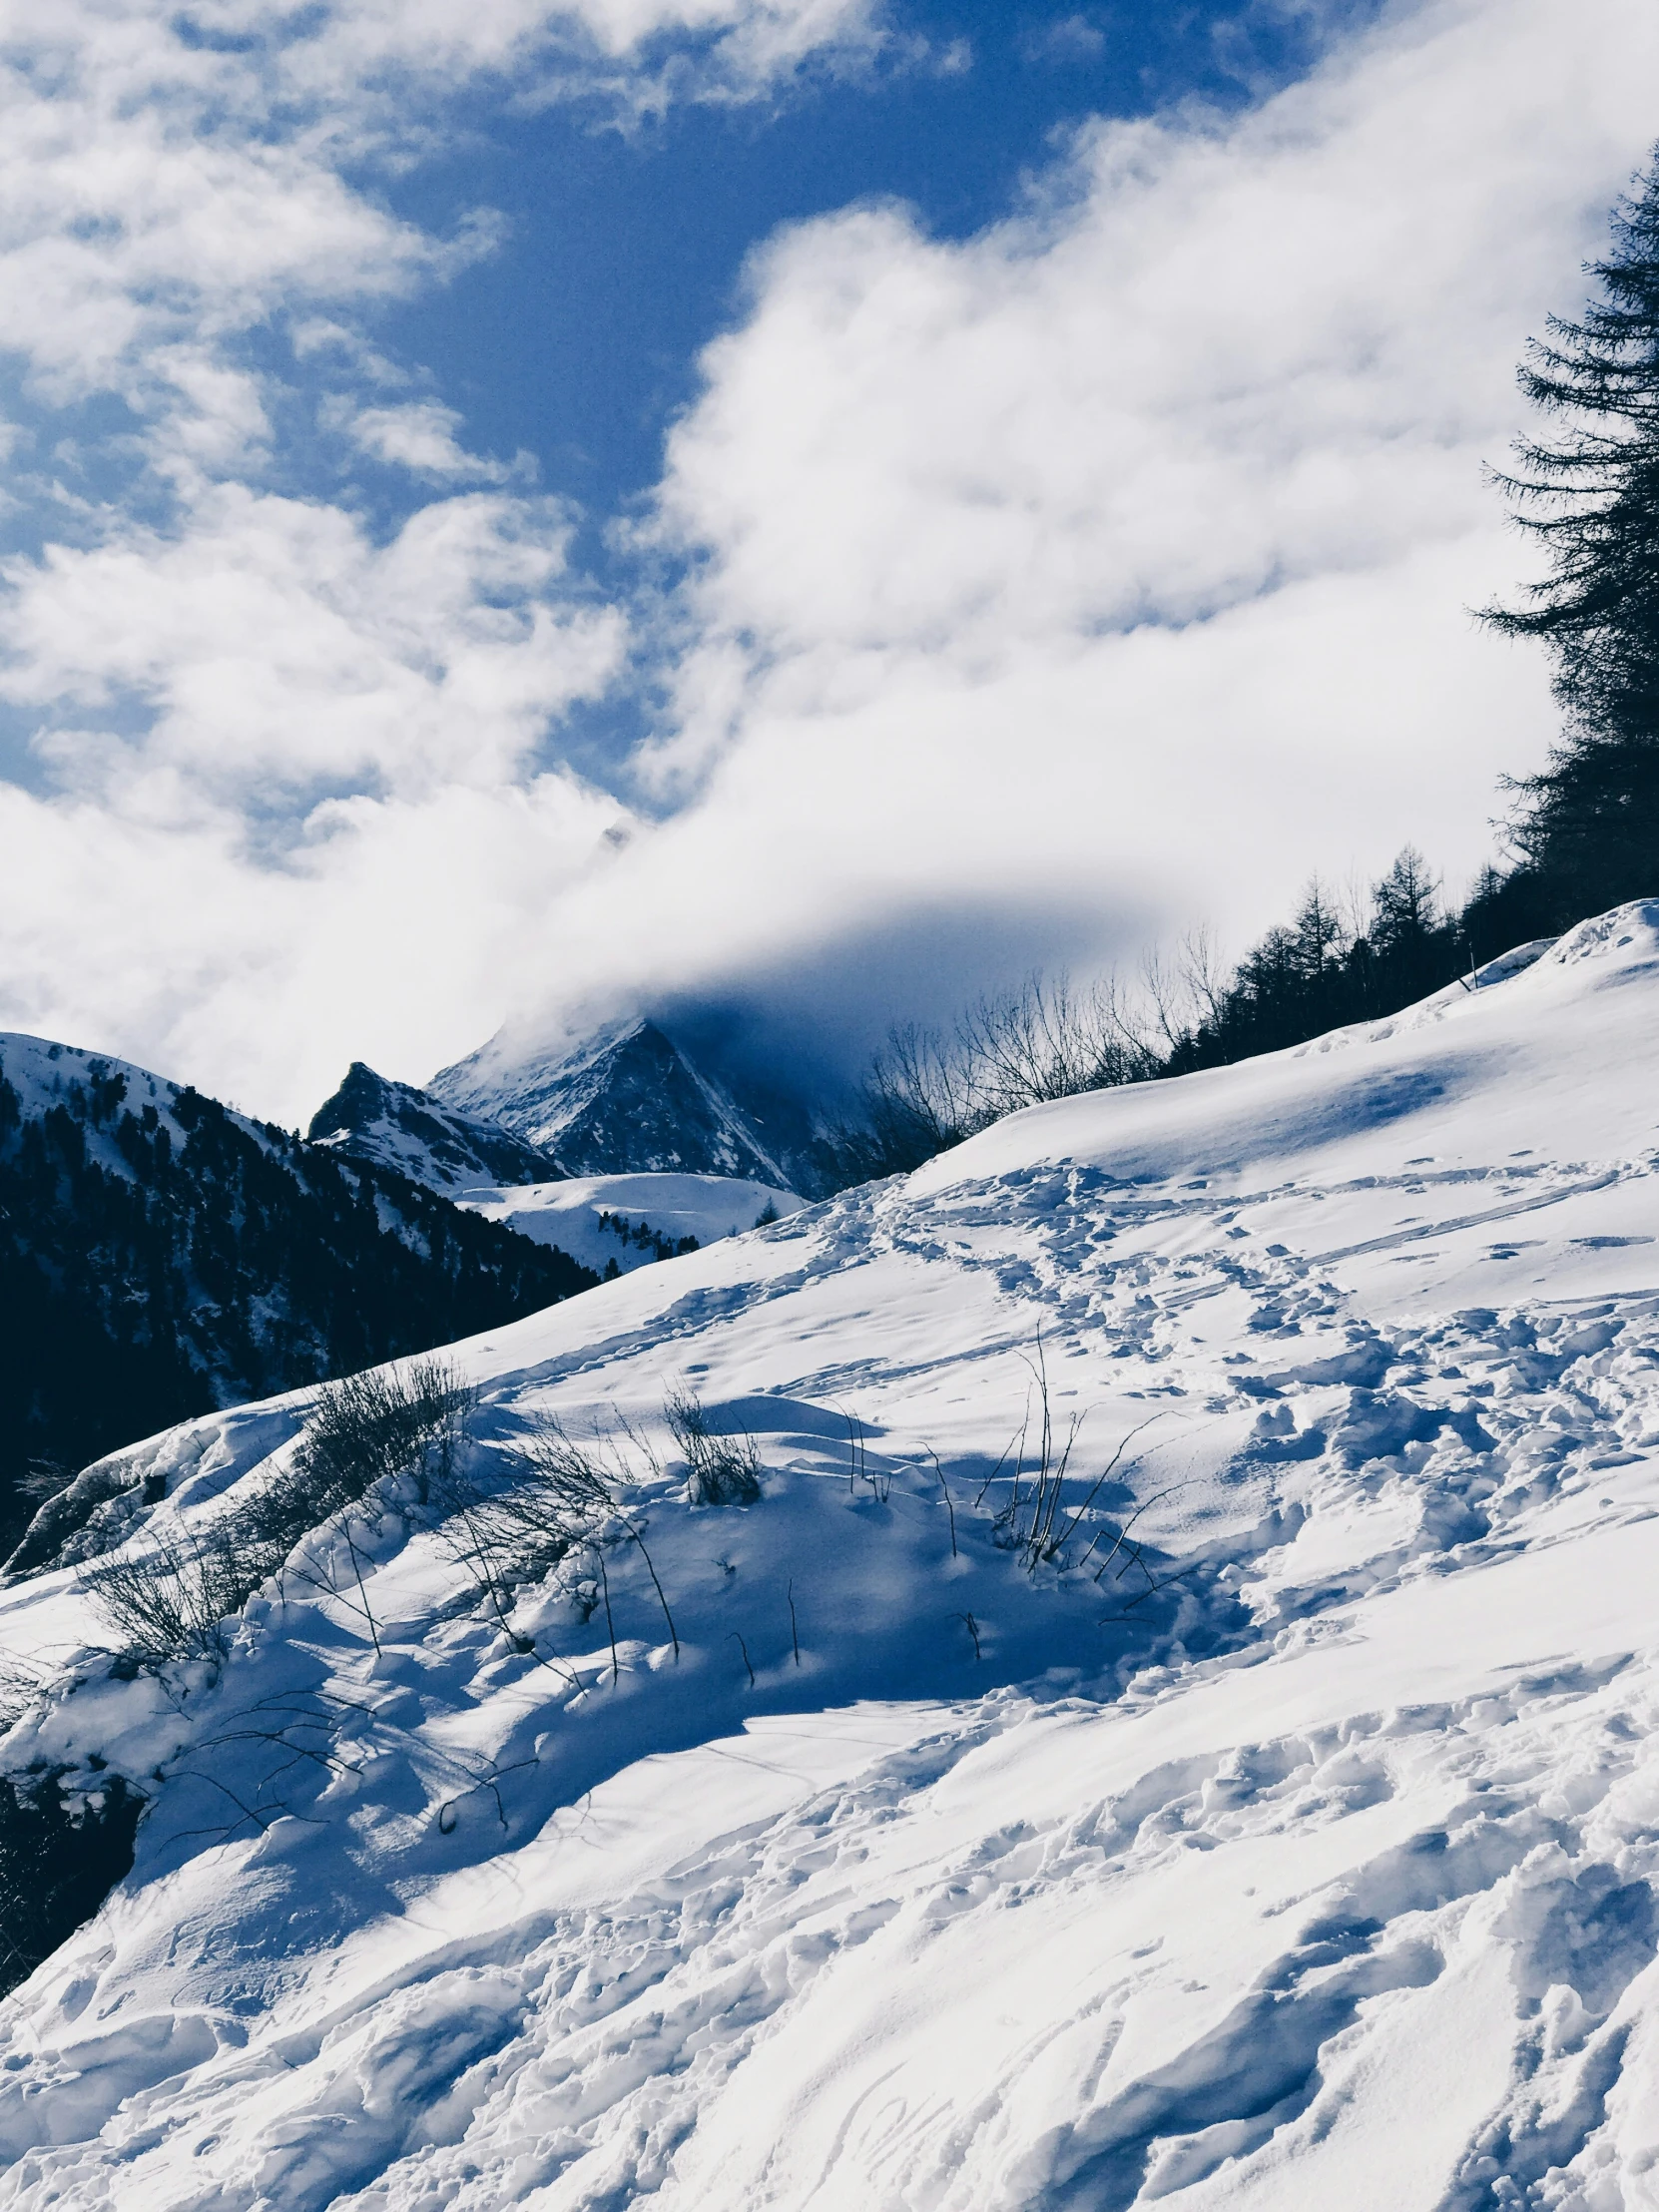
{"points": [[616, 1222], [1276, 1828]]}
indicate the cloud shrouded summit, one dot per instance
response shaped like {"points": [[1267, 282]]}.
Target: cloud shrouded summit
{"points": [[1106, 569]]}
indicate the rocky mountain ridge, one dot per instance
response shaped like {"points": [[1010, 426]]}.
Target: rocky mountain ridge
{"points": [[394, 1125]]}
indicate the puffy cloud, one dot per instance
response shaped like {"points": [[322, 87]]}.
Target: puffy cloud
{"points": [[294, 796], [1117, 561], [272, 649], [416, 434], [393, 932], [1224, 359], [170, 174]]}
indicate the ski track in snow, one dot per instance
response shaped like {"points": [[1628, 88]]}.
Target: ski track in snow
{"points": [[1310, 1862]]}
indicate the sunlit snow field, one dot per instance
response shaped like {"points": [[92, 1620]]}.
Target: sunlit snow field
{"points": [[1291, 1851]]}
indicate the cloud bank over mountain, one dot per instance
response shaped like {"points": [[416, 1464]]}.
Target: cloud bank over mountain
{"points": [[1099, 571]]}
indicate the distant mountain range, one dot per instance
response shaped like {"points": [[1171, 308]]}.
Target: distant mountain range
{"points": [[161, 1255]]}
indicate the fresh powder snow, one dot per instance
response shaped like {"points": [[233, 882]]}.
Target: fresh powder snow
{"points": [[1273, 1827]]}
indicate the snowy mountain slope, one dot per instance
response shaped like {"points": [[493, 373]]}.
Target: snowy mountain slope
{"points": [[624, 1101], [397, 1126], [1304, 1857], [616, 1222]]}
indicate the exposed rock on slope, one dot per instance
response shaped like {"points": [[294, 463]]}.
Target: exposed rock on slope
{"points": [[394, 1125]]}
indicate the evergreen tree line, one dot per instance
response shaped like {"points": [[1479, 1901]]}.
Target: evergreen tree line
{"points": [[1582, 832], [147, 1278]]}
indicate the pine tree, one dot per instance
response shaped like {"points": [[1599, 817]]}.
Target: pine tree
{"points": [[1404, 906], [1588, 825], [1321, 938]]}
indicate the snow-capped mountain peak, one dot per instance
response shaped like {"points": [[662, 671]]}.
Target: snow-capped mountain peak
{"points": [[626, 1099]]}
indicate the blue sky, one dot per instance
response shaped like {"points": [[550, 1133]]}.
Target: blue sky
{"points": [[624, 242], [803, 506], [625, 249]]}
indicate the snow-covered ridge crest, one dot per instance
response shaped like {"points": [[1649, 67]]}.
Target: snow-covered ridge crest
{"points": [[616, 1222], [40, 1071], [1623, 941], [1393, 1091], [1287, 1836], [1625, 938]]}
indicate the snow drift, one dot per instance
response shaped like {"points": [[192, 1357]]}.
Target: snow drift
{"points": [[1277, 1831]]}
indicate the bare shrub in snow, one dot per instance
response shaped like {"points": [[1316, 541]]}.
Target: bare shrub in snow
{"points": [[1033, 1522], [720, 1469], [560, 1500], [1038, 1523], [367, 1431], [364, 1432], [878, 1484], [929, 1088], [173, 1599]]}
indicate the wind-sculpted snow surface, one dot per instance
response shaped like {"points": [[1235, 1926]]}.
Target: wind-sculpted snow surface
{"points": [[1274, 1826]]}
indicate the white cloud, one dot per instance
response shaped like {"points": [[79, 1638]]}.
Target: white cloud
{"points": [[418, 435], [1116, 561], [165, 175], [295, 797], [394, 933], [1070, 41], [272, 649]]}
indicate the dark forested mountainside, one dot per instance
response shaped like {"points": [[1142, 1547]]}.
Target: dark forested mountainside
{"points": [[161, 1255]]}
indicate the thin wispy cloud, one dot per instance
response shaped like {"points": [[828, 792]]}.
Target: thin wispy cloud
{"points": [[1071, 41], [419, 436]]}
